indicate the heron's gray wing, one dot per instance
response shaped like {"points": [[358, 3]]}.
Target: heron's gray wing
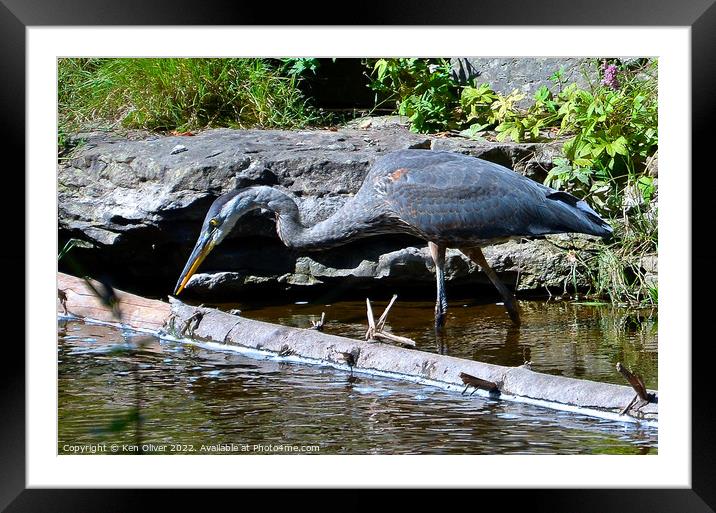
{"points": [[460, 199]]}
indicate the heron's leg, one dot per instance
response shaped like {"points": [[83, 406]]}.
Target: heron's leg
{"points": [[438, 254], [510, 302]]}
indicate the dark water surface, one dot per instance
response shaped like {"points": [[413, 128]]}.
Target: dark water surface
{"points": [[132, 393], [579, 340]]}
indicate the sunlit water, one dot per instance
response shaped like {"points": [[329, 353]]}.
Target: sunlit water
{"points": [[132, 393], [564, 338]]}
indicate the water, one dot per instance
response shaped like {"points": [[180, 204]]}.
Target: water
{"points": [[133, 393], [559, 337]]}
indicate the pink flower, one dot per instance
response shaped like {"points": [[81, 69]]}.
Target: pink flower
{"points": [[610, 76]]}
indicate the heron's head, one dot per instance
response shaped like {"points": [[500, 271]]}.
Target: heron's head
{"points": [[219, 221]]}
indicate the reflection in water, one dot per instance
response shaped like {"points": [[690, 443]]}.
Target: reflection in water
{"points": [[140, 391]]}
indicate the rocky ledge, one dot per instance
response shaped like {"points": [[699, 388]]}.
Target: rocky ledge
{"points": [[138, 203]]}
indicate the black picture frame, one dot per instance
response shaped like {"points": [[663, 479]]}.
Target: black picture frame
{"points": [[700, 15]]}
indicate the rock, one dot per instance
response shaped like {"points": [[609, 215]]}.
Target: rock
{"points": [[178, 149], [141, 208], [526, 75], [650, 266], [367, 122], [652, 165], [529, 266]]}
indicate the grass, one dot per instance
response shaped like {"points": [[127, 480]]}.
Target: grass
{"points": [[617, 270], [178, 94]]}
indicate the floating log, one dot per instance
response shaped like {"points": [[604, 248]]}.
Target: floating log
{"points": [[78, 298], [179, 321]]}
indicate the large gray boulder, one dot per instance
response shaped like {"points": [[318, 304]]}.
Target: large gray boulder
{"points": [[525, 75], [139, 203]]}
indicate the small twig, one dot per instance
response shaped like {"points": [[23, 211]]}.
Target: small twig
{"points": [[572, 248], [371, 319], [191, 324], [526, 358], [375, 331], [637, 383], [482, 384], [642, 397], [628, 406], [63, 299], [319, 325], [286, 351], [384, 317], [350, 358], [394, 338]]}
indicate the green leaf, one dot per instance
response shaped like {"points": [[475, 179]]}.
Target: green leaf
{"points": [[597, 150], [476, 128], [568, 146], [620, 146], [646, 186], [586, 149], [381, 66], [542, 94]]}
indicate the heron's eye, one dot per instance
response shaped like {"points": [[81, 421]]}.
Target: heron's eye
{"points": [[214, 223]]}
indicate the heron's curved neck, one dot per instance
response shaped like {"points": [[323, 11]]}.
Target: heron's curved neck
{"points": [[344, 225]]}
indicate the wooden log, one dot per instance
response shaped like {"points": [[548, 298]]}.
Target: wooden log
{"points": [[177, 320], [81, 300]]}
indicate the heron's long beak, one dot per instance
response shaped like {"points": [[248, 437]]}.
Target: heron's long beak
{"points": [[203, 247]]}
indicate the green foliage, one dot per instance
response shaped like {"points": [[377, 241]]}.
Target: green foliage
{"points": [[620, 273], [295, 67], [67, 143], [557, 78], [615, 131], [179, 94], [501, 113], [621, 270], [477, 102], [564, 173], [421, 89]]}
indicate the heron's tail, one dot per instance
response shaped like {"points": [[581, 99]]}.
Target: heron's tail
{"points": [[584, 219]]}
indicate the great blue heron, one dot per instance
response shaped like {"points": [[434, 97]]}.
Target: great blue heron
{"points": [[448, 199]]}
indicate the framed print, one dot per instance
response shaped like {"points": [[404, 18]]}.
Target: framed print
{"points": [[675, 469]]}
